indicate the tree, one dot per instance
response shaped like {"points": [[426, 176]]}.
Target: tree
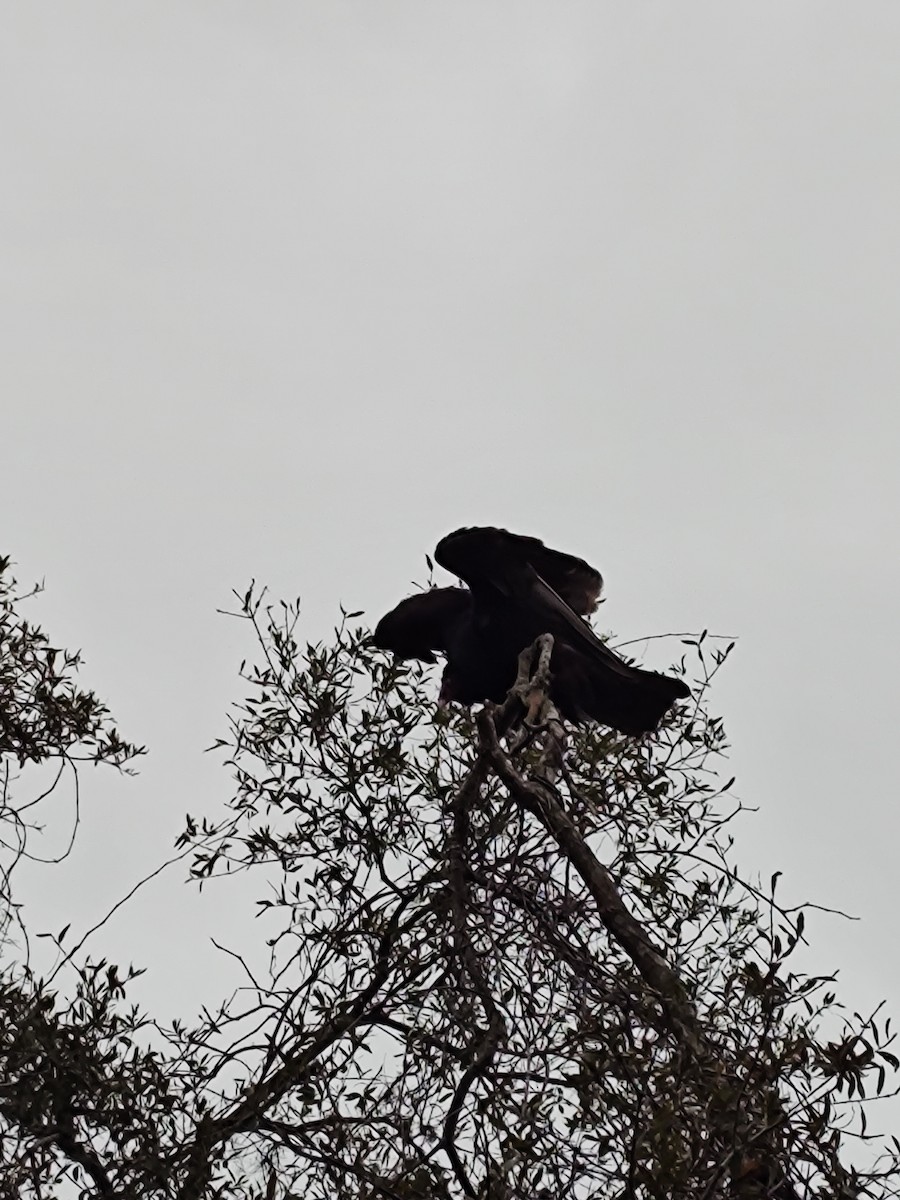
{"points": [[506, 959]]}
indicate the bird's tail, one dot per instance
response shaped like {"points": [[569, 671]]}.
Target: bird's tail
{"points": [[626, 698]]}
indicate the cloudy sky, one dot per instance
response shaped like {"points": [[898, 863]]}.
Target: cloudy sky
{"points": [[291, 289]]}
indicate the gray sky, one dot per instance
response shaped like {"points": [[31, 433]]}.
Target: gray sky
{"points": [[289, 290]]}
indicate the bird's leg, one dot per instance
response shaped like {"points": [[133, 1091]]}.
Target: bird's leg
{"points": [[532, 688], [532, 684], [527, 692], [551, 762]]}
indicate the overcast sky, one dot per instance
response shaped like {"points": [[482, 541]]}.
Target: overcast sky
{"points": [[289, 290]]}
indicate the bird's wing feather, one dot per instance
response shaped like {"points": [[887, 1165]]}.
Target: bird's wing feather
{"points": [[485, 556], [495, 561], [423, 623], [559, 617]]}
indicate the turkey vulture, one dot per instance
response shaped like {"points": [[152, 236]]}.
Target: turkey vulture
{"points": [[518, 588]]}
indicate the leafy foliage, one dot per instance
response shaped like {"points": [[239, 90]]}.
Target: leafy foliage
{"points": [[48, 725], [43, 713]]}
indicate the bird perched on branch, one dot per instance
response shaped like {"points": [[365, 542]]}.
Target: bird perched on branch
{"points": [[517, 589]]}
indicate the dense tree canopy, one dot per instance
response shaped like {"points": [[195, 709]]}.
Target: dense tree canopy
{"points": [[507, 959]]}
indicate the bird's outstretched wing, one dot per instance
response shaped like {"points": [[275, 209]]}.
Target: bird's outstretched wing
{"points": [[591, 681], [423, 623], [484, 554], [495, 563]]}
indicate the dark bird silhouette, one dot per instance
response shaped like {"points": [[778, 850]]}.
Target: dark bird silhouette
{"points": [[518, 588]]}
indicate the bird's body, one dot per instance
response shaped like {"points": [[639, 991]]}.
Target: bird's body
{"points": [[518, 588]]}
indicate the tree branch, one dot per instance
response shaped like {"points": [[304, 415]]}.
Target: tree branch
{"points": [[539, 797], [86, 1158], [466, 953], [626, 930], [247, 1113]]}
